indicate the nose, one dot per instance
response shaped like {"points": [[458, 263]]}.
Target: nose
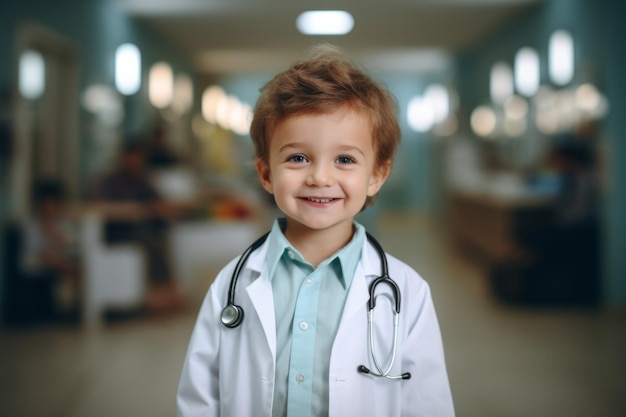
{"points": [[320, 175]]}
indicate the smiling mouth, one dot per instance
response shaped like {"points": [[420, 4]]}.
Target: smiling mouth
{"points": [[319, 200]]}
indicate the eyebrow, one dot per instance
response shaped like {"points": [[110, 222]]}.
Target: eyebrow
{"points": [[352, 148], [343, 148], [290, 145]]}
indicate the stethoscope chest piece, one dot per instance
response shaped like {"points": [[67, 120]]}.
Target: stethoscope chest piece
{"points": [[232, 315]]}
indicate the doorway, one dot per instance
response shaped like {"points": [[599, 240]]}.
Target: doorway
{"points": [[46, 132]]}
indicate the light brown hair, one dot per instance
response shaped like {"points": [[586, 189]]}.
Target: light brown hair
{"points": [[324, 83]]}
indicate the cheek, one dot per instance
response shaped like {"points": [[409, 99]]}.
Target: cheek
{"points": [[284, 182], [357, 185]]}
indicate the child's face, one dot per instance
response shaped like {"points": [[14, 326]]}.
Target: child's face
{"points": [[321, 170]]}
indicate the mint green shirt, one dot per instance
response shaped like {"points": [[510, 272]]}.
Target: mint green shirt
{"points": [[308, 303]]}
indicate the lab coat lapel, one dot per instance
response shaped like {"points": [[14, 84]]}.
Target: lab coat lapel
{"points": [[262, 297]]}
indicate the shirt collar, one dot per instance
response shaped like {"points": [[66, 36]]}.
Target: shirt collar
{"points": [[348, 257]]}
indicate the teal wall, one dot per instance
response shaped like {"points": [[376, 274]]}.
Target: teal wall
{"points": [[598, 31], [615, 227]]}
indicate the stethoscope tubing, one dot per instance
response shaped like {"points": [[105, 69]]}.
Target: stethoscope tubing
{"points": [[370, 332], [232, 314]]}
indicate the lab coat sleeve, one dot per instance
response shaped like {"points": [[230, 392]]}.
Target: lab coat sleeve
{"points": [[427, 393], [198, 389]]}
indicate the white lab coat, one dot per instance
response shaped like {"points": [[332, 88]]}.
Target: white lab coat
{"points": [[230, 372]]}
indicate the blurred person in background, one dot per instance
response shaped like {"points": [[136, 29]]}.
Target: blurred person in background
{"points": [[557, 262], [158, 152], [136, 213], [49, 253]]}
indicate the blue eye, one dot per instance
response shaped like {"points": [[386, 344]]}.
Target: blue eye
{"points": [[297, 158], [344, 160]]}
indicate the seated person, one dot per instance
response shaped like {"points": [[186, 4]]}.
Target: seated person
{"points": [[136, 213], [158, 153], [49, 251], [558, 261]]}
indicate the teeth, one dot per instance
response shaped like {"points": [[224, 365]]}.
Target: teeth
{"points": [[320, 200]]}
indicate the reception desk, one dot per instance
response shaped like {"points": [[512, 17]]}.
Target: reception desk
{"points": [[482, 224]]}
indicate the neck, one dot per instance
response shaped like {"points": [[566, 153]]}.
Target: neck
{"points": [[317, 245]]}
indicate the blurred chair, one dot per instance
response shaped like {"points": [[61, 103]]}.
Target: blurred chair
{"points": [[114, 276], [26, 298], [201, 248]]}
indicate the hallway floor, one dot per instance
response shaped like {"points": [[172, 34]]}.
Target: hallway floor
{"points": [[502, 361]]}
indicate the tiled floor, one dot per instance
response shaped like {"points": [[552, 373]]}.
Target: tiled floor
{"points": [[503, 361]]}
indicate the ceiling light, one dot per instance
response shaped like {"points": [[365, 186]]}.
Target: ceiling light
{"points": [[325, 22], [127, 69], [527, 71], [561, 57]]}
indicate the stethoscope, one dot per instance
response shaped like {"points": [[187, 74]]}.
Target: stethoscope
{"points": [[232, 314]]}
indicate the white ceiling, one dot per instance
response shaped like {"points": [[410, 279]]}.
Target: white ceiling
{"points": [[225, 36]]}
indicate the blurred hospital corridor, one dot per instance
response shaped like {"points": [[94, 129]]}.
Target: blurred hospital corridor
{"points": [[503, 361], [128, 179]]}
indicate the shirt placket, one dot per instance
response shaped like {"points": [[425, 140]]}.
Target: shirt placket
{"points": [[303, 348]]}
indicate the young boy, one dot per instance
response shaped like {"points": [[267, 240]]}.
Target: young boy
{"points": [[324, 135]]}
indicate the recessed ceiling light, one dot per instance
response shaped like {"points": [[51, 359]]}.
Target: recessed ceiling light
{"points": [[127, 69], [325, 22], [561, 57]]}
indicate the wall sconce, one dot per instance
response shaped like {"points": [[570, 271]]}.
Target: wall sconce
{"points": [[226, 111], [32, 74], [210, 101], [127, 69], [551, 110], [183, 94], [161, 85]]}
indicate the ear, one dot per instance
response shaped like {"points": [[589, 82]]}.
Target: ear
{"points": [[379, 176], [265, 175]]}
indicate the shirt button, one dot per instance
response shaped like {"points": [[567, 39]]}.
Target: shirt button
{"points": [[309, 282], [291, 255], [304, 325], [300, 378]]}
